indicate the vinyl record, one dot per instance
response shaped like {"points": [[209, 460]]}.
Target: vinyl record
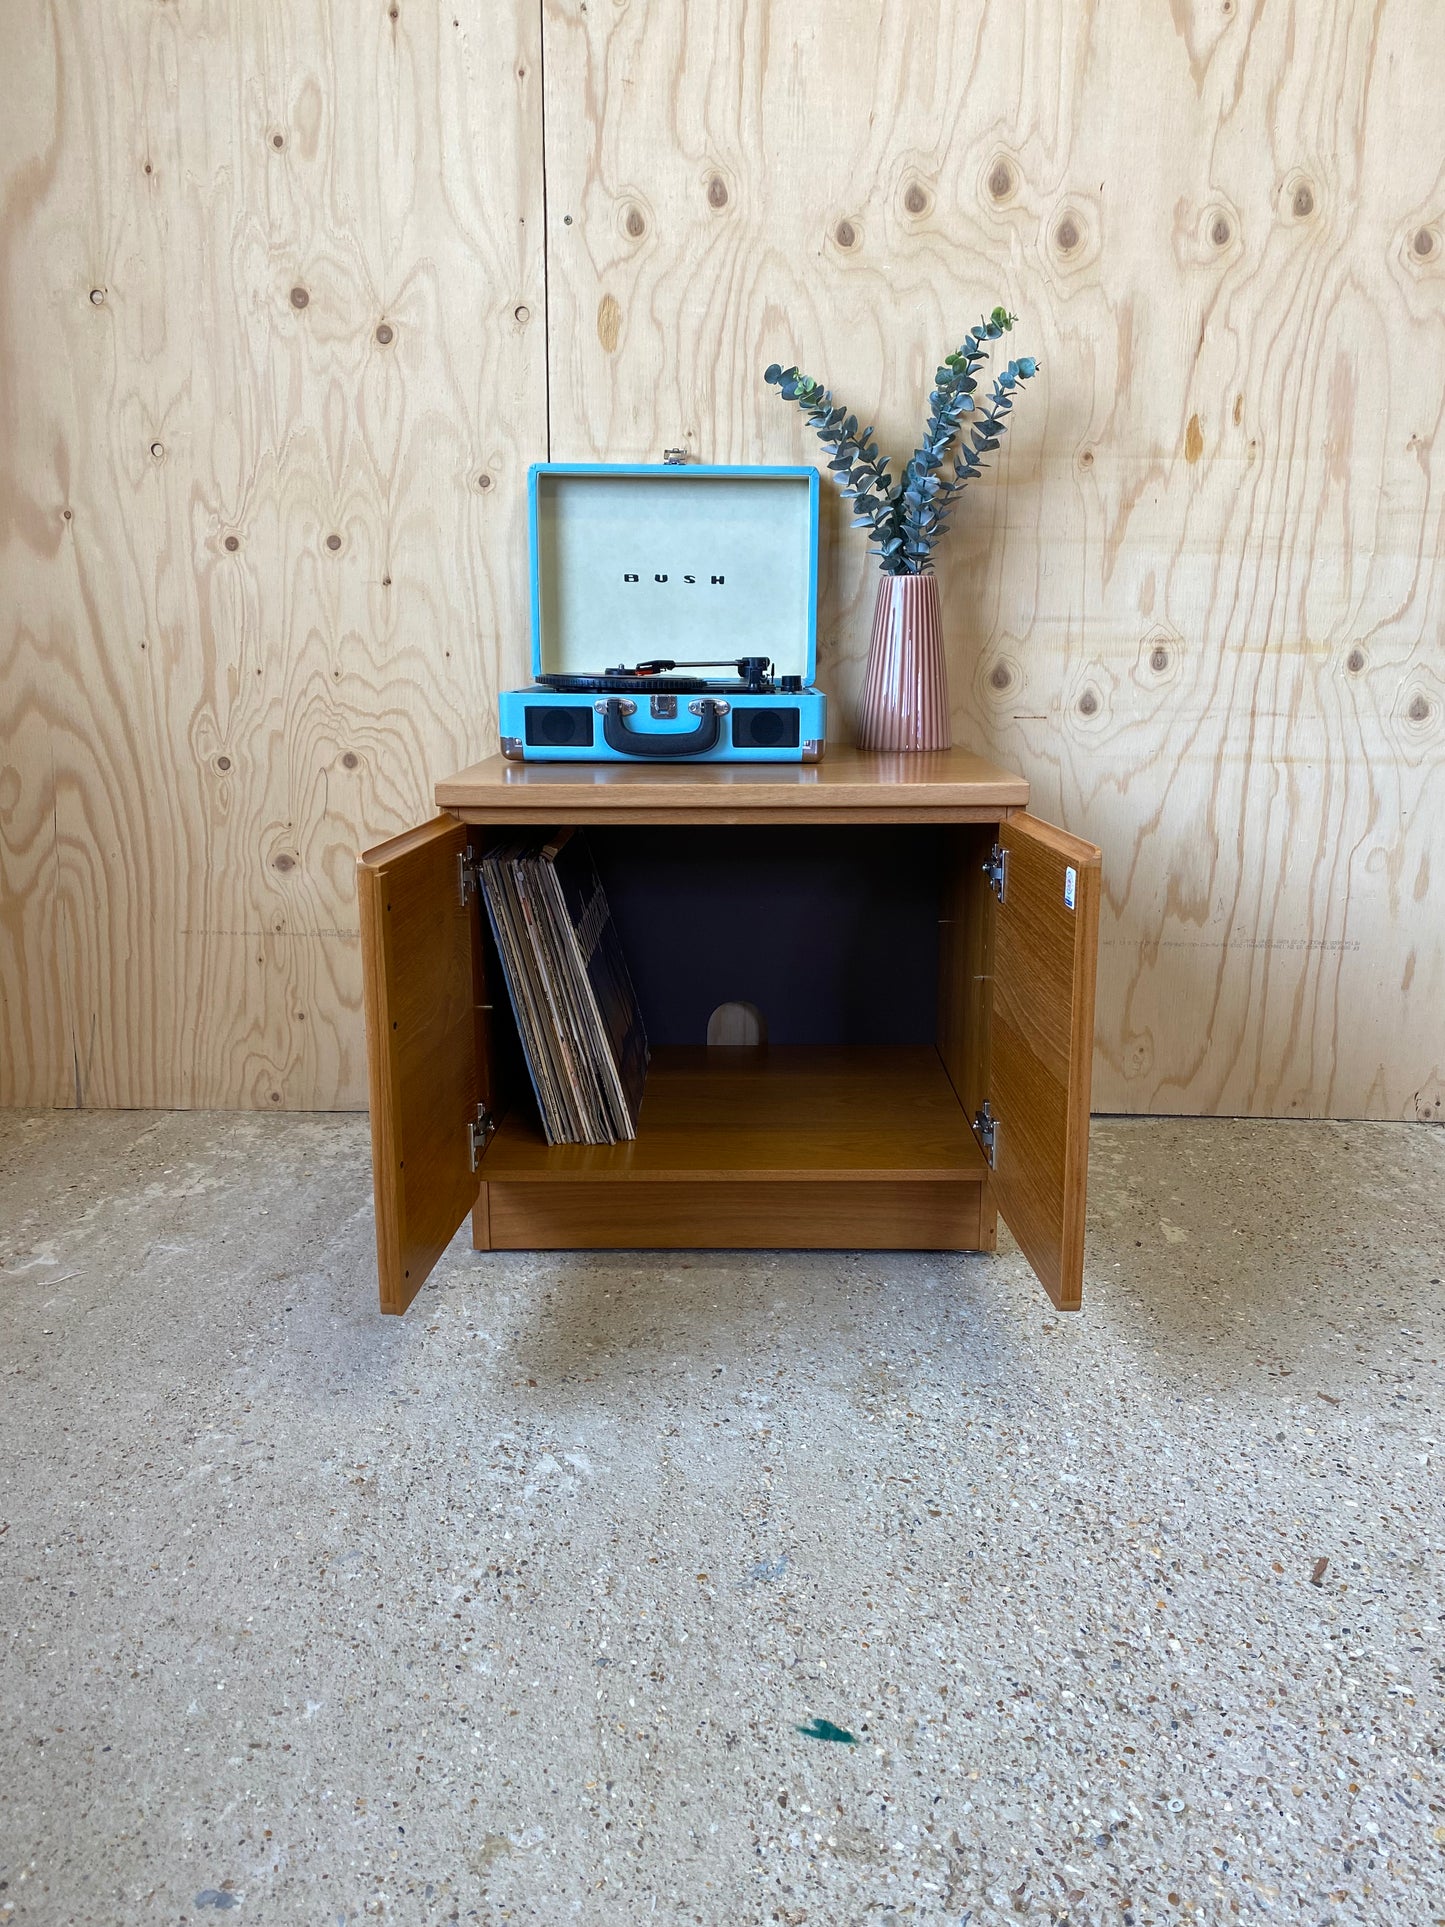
{"points": [[630, 685]]}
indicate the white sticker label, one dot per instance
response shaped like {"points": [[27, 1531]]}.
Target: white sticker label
{"points": [[1070, 881]]}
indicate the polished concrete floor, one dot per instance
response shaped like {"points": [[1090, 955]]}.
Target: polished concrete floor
{"points": [[724, 1589]]}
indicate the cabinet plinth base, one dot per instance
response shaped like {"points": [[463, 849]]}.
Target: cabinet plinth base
{"points": [[662, 1216]]}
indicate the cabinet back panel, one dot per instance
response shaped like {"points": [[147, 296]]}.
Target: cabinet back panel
{"points": [[832, 933]]}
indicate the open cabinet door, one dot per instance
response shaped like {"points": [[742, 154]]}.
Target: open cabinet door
{"points": [[419, 953], [1045, 958]]}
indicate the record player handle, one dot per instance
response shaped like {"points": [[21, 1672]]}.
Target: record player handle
{"points": [[618, 734]]}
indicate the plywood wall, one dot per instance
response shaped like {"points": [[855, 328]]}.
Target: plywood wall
{"points": [[1202, 601], [272, 366], [261, 506]]}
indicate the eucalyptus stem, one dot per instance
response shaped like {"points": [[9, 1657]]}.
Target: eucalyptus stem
{"points": [[907, 514]]}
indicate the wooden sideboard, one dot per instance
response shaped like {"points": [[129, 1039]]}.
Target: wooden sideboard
{"points": [[929, 950]]}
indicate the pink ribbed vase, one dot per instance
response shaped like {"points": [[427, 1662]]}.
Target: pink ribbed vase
{"points": [[905, 685]]}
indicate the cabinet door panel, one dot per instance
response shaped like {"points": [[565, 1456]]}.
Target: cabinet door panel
{"points": [[1045, 955], [420, 963], [965, 964]]}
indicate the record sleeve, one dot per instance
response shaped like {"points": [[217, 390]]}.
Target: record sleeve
{"points": [[600, 973], [571, 992]]}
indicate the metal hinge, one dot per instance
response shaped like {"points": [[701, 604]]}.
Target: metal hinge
{"points": [[469, 877], [478, 1131], [985, 1127], [996, 870]]}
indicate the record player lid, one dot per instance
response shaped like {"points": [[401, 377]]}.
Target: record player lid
{"points": [[631, 563]]}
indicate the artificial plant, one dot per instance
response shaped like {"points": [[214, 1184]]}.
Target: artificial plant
{"points": [[909, 514]]}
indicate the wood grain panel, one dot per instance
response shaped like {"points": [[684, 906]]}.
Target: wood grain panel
{"points": [[1040, 1047], [1199, 601], [766, 1114], [965, 984], [965, 966], [37, 1049], [272, 366], [733, 1217], [420, 946], [857, 784]]}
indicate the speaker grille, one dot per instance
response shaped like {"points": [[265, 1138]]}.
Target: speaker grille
{"points": [[559, 725], [765, 728]]}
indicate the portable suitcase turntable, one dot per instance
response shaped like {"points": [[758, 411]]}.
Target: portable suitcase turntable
{"points": [[674, 616]]}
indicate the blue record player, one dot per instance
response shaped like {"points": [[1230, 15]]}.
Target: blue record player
{"points": [[674, 616]]}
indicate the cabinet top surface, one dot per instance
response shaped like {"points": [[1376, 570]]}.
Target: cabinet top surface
{"points": [[845, 781]]}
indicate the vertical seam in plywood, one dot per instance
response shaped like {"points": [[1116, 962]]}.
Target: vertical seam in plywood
{"points": [[546, 225], [66, 987]]}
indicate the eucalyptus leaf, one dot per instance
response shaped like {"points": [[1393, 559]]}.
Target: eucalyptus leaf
{"points": [[908, 514]]}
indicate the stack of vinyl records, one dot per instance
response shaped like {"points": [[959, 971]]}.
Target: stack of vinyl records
{"points": [[582, 1033]]}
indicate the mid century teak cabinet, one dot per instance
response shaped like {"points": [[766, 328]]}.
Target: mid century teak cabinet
{"points": [[923, 951]]}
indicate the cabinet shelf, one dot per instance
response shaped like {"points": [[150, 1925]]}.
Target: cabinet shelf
{"points": [[833, 1114]]}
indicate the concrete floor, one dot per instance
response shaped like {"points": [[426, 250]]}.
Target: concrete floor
{"points": [[513, 1610]]}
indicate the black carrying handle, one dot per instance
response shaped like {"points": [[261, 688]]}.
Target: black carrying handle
{"points": [[618, 734]]}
